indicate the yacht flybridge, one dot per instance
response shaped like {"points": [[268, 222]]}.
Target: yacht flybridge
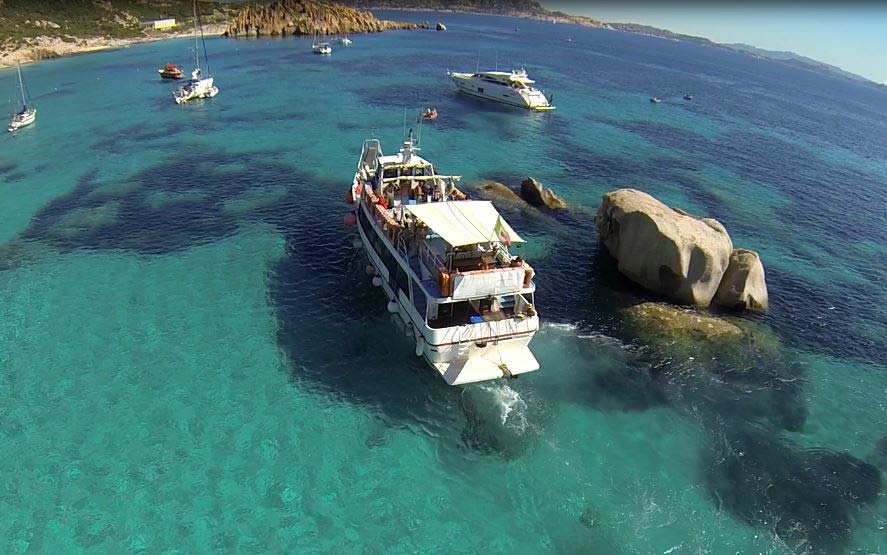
{"points": [[508, 87], [199, 86], [444, 263]]}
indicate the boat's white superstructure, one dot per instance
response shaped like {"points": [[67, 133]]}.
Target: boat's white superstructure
{"points": [[28, 114], [199, 86], [508, 87], [444, 263]]}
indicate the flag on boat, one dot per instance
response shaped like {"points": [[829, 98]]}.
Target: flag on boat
{"points": [[501, 232]]}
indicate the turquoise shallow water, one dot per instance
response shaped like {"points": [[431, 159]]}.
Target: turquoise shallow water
{"points": [[191, 358]]}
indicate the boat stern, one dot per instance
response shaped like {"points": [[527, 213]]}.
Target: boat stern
{"points": [[507, 363]]}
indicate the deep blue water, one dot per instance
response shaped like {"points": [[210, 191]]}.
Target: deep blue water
{"points": [[191, 356]]}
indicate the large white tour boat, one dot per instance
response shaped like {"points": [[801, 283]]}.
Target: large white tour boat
{"points": [[508, 87], [443, 261]]}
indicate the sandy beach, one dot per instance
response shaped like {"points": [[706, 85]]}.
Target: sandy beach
{"points": [[45, 47]]}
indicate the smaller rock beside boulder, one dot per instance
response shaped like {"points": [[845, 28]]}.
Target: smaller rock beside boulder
{"points": [[534, 193], [441, 26], [743, 286]]}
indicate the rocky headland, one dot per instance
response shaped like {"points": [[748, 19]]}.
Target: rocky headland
{"points": [[308, 17]]}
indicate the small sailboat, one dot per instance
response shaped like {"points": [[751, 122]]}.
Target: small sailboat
{"points": [[322, 48], [171, 71], [655, 100], [430, 114], [28, 114], [198, 86], [345, 41]]}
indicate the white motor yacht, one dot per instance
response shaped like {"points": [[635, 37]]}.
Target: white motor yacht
{"points": [[444, 264], [28, 114], [199, 86], [508, 87]]}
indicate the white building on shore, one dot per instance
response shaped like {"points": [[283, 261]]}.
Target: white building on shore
{"points": [[159, 24]]}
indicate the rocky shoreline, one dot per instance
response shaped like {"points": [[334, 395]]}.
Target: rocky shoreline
{"points": [[307, 17]]}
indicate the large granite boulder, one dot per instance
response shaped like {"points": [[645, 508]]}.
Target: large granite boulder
{"points": [[743, 286], [534, 193], [664, 249]]}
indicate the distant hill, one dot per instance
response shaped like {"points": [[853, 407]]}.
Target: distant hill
{"points": [[794, 59]]}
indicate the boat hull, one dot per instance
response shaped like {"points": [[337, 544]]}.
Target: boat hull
{"points": [[502, 94], [461, 354], [18, 122], [205, 88]]}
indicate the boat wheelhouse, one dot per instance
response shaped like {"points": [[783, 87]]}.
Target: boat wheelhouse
{"points": [[508, 87], [444, 264]]}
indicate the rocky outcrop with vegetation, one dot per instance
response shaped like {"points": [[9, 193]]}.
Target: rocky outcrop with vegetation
{"points": [[307, 17]]}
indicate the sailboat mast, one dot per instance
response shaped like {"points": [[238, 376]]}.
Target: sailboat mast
{"points": [[21, 85], [196, 44]]}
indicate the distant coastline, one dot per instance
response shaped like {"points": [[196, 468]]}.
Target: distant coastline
{"points": [[55, 44]]}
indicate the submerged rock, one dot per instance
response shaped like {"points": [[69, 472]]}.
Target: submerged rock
{"points": [[667, 324], [806, 497], [664, 249], [496, 191], [534, 193], [743, 286], [730, 366]]}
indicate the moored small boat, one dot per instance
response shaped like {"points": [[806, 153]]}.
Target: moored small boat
{"points": [[655, 99], [430, 114], [688, 96], [198, 86], [171, 71], [322, 48]]}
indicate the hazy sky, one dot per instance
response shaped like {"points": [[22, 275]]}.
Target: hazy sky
{"points": [[850, 36]]}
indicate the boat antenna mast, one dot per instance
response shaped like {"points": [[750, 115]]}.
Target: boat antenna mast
{"points": [[21, 86], [196, 44]]}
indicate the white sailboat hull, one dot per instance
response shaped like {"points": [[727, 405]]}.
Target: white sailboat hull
{"points": [[199, 88], [22, 119]]}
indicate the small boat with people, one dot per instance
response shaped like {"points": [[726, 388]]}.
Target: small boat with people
{"points": [[322, 48], [430, 114], [345, 41], [445, 265], [688, 96], [655, 99], [171, 71], [514, 88], [198, 86], [28, 114]]}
